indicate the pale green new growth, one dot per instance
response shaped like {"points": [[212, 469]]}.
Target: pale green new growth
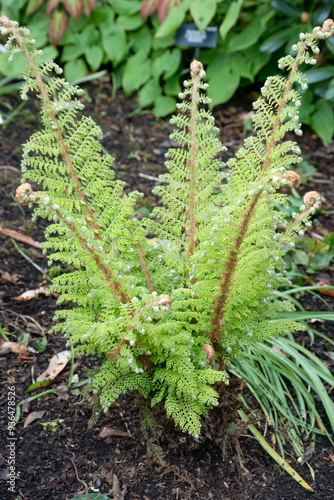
{"points": [[166, 313]]}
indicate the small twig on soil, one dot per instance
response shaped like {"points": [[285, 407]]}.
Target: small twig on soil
{"points": [[77, 475], [150, 177], [25, 318], [20, 237], [8, 167]]}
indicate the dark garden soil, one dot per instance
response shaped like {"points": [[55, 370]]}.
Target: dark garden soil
{"points": [[57, 464]]}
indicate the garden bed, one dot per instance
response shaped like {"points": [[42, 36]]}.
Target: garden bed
{"points": [[59, 463]]}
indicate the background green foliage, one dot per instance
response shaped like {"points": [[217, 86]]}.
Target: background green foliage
{"points": [[141, 54]]}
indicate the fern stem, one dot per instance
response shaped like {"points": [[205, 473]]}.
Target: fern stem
{"points": [[227, 278], [228, 274], [192, 164], [48, 104], [145, 268]]}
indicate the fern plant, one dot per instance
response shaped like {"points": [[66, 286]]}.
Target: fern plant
{"points": [[167, 313]]}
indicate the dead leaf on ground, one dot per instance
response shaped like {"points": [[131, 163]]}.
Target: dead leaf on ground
{"points": [[31, 294], [326, 291], [5, 277], [20, 237], [117, 492], [15, 347], [108, 431], [62, 390], [32, 417], [56, 365]]}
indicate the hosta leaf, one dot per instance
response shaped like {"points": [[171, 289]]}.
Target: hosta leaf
{"points": [[74, 7], [74, 70], [202, 12], [250, 34], [51, 6], [126, 7], [172, 22], [173, 86], [148, 93], [33, 5], [148, 7], [94, 56], [166, 64], [230, 18], [114, 45], [137, 71], [141, 39], [57, 26], [223, 83], [322, 120], [164, 105], [129, 23]]}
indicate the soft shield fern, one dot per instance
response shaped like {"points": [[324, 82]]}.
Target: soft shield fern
{"points": [[167, 313]]}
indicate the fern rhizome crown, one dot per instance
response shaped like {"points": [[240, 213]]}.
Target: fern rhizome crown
{"points": [[166, 313]]}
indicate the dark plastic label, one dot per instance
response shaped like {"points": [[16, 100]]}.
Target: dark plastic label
{"points": [[189, 35]]}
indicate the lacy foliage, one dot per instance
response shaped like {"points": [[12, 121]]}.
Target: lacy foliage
{"points": [[167, 313]]}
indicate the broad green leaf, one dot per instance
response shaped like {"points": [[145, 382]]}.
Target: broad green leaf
{"points": [[49, 52], [33, 5], [103, 19], [172, 86], [319, 74], [202, 12], [94, 56], [276, 40], [73, 70], [166, 64], [230, 18], [71, 52], [164, 105], [306, 109], [40, 344], [12, 9], [172, 22], [114, 45], [126, 7], [250, 34], [164, 42], [322, 120], [89, 36], [300, 258], [74, 7], [322, 12], [141, 39], [242, 65], [318, 262], [148, 93], [129, 23], [223, 83], [57, 26], [39, 31], [329, 94], [286, 9], [137, 71]]}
